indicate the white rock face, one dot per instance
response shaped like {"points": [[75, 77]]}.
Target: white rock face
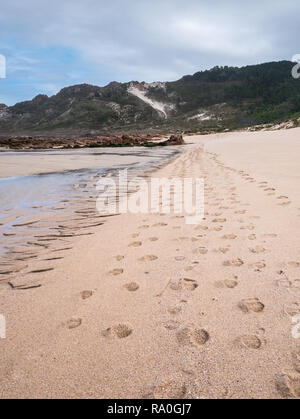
{"points": [[4, 113], [141, 93], [203, 116], [156, 84]]}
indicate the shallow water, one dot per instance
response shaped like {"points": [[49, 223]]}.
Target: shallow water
{"points": [[33, 203], [24, 163]]}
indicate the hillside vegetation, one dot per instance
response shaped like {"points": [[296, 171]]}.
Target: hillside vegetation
{"points": [[216, 99]]}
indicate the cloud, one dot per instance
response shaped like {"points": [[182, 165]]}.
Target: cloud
{"points": [[65, 42]]}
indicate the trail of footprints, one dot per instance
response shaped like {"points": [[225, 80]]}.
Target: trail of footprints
{"points": [[286, 383], [195, 335], [120, 331]]}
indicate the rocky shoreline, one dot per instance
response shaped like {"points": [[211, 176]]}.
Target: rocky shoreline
{"points": [[34, 143]]}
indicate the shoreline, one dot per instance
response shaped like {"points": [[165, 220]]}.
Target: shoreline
{"points": [[47, 203], [20, 163], [151, 307]]}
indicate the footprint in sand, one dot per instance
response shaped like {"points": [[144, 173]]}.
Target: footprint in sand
{"points": [[153, 239], [257, 249], [252, 237], [188, 284], [288, 385], [223, 250], [251, 304], [259, 265], [249, 227], [86, 294], [135, 244], [192, 336], [229, 237], [251, 341], [73, 323], [201, 251], [218, 228], [148, 258], [135, 235], [228, 283], [144, 227], [121, 331], [160, 225], [219, 220], [283, 204], [119, 258], [116, 272], [234, 262], [231, 283], [201, 228], [132, 286], [179, 258]]}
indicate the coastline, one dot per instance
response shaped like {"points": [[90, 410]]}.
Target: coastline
{"points": [[151, 307], [20, 163]]}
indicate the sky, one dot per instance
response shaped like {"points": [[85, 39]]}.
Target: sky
{"points": [[49, 45]]}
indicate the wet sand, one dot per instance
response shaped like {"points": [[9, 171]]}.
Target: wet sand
{"points": [[40, 207], [150, 307], [24, 163]]}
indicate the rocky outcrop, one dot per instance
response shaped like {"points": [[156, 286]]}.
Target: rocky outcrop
{"points": [[125, 140], [176, 140], [292, 123], [4, 112]]}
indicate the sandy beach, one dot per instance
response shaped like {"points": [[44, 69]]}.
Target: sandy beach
{"points": [[150, 307]]}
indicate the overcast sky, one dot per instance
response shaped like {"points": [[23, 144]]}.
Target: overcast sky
{"points": [[57, 43]]}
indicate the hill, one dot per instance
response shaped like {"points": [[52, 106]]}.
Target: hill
{"points": [[216, 99]]}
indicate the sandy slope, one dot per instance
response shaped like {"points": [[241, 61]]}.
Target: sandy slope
{"points": [[208, 309], [160, 107]]}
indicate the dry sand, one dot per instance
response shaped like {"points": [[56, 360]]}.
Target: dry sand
{"points": [[151, 307]]}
